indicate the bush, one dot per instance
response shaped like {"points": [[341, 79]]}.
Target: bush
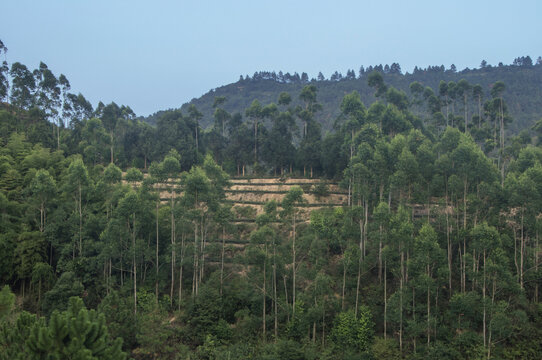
{"points": [[351, 333]]}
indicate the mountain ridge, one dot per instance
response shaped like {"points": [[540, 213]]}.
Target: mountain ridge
{"points": [[523, 91]]}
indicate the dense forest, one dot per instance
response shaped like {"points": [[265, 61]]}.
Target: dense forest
{"points": [[522, 78], [120, 239]]}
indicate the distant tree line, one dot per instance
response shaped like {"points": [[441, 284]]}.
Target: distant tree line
{"points": [[394, 68]]}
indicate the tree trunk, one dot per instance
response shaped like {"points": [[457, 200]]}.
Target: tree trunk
{"points": [[181, 265], [428, 316], [465, 203], [385, 300], [449, 245], [344, 282], [157, 257], [286, 298], [203, 228], [264, 325], [522, 250], [172, 247], [134, 262], [222, 258], [479, 111], [401, 281], [484, 302], [360, 260], [447, 116], [80, 222], [536, 268], [275, 305], [466, 113], [380, 254], [42, 217], [414, 315], [255, 141], [293, 268], [196, 257], [197, 145]]}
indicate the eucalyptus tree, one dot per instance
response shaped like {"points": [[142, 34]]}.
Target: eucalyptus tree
{"points": [[65, 87], [485, 241], [255, 112], [443, 92], [42, 274], [127, 210], [4, 69], [352, 117], [195, 116], [23, 85], [196, 186], [470, 167], [478, 94], [452, 96], [77, 183], [94, 141], [82, 108], [218, 182], [381, 165], [497, 91], [376, 81], [30, 249], [221, 116], [401, 240], [175, 131], [463, 90], [406, 174], [110, 114], [308, 96], [43, 188], [238, 149], [215, 138], [310, 149], [416, 89], [278, 148], [426, 261], [284, 99], [382, 216], [111, 187], [290, 213], [394, 121], [263, 239], [224, 218], [525, 196], [166, 172], [398, 98], [75, 110], [48, 95]]}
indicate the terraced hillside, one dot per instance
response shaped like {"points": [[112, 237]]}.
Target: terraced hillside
{"points": [[248, 196], [256, 192]]}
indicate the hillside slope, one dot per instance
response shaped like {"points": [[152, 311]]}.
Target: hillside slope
{"points": [[523, 92]]}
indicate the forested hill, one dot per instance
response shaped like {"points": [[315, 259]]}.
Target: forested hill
{"points": [[410, 232], [523, 91]]}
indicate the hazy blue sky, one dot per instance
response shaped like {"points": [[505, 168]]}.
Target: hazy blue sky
{"points": [[154, 55]]}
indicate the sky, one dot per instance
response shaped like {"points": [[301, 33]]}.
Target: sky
{"points": [[156, 55]]}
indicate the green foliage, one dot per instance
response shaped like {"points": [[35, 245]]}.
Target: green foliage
{"points": [[439, 234], [67, 286], [74, 333], [7, 302], [351, 332], [385, 349], [14, 335]]}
